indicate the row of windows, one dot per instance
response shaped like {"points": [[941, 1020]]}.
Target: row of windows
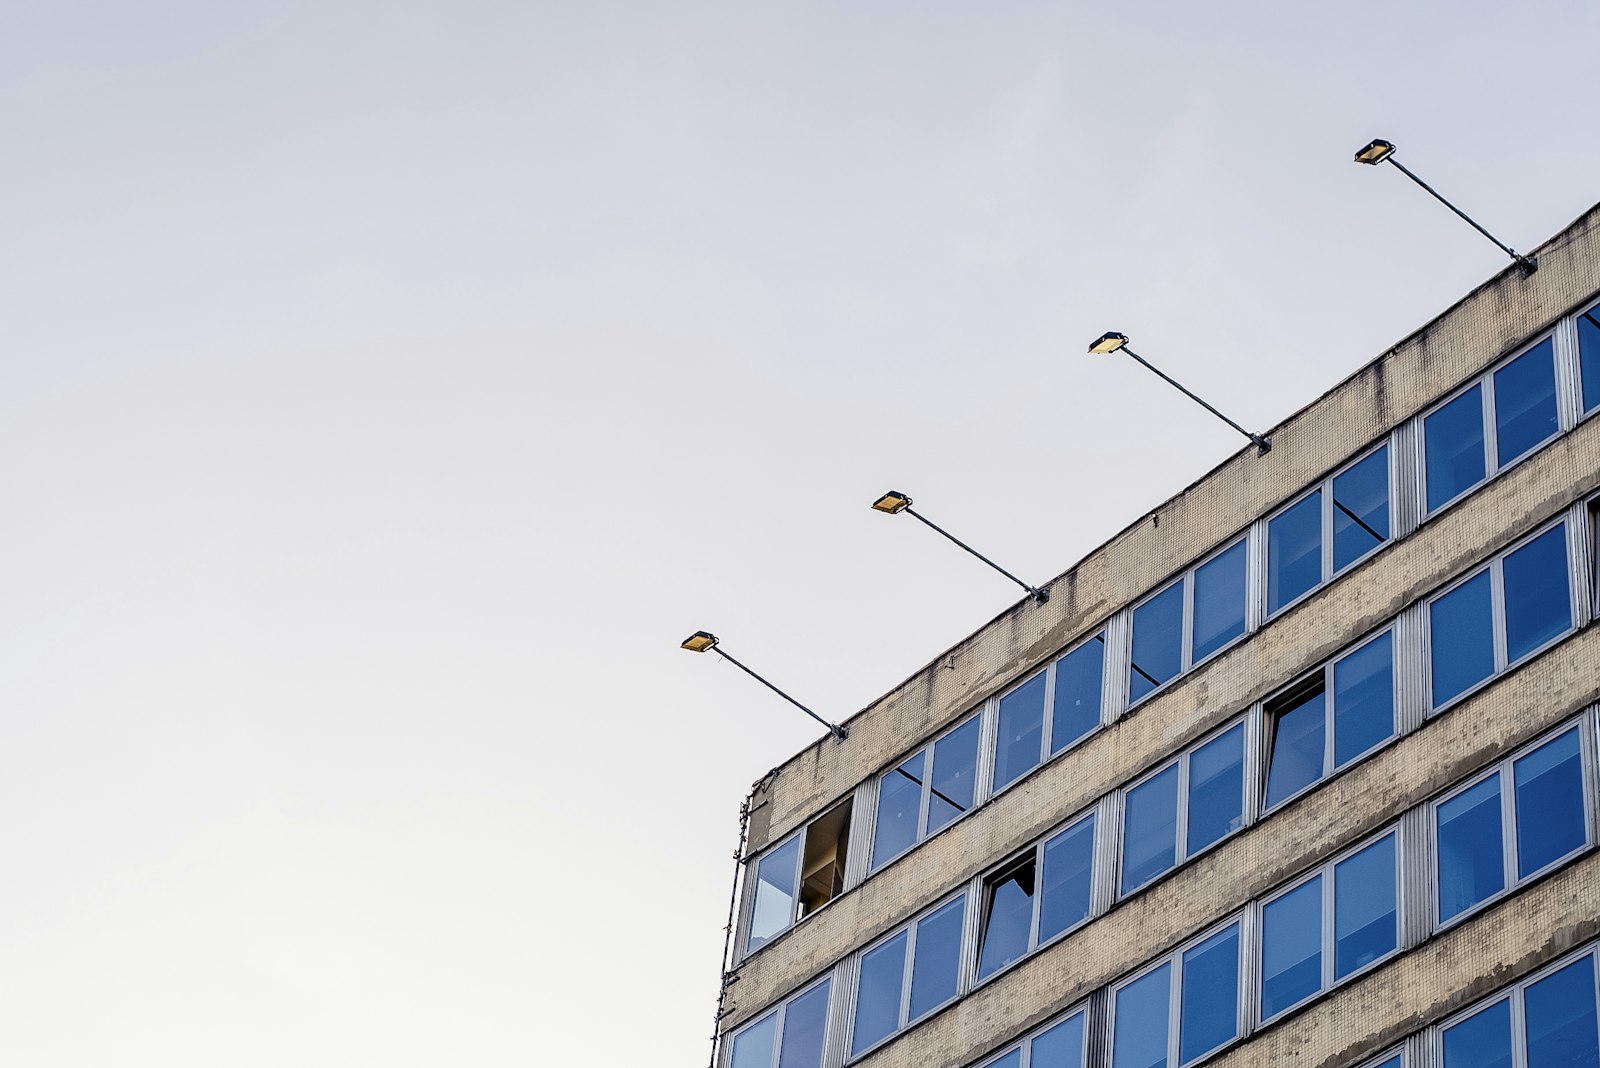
{"points": [[1512, 822], [1495, 616], [1549, 1020], [1497, 419]]}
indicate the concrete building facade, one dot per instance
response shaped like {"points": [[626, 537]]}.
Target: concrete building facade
{"points": [[1301, 768]]}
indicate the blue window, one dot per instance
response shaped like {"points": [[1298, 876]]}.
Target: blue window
{"points": [[1482, 1040], [1392, 1062], [1068, 879], [899, 810], [752, 1047], [777, 893], [1548, 800], [1200, 982], [936, 961], [1333, 924], [1219, 601], [1529, 587], [1525, 403], [1471, 848], [1009, 1059], [1216, 789], [1331, 719], [1150, 829], [1294, 552], [1142, 1021], [805, 1027], [1360, 508], [1008, 918], [881, 993], [1538, 598], [1556, 1027], [1461, 625], [1301, 953], [907, 976], [1209, 996], [1589, 357], [1559, 1014], [955, 765], [1188, 621], [1157, 642], [1075, 710], [1542, 793], [911, 805], [1291, 948], [1059, 1047], [1021, 733], [1453, 447], [1365, 908]]}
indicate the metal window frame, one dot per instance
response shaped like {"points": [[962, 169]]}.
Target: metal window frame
{"points": [[747, 920], [1047, 701], [1327, 934], [1181, 760], [926, 750], [1516, 994], [1562, 336], [1101, 720], [1505, 769], [1495, 566], [907, 970], [1576, 365], [1173, 958], [781, 1011], [1024, 1045]]}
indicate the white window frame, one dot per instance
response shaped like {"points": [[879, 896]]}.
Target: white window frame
{"points": [[908, 970], [781, 1011], [1092, 815], [1515, 994], [1174, 957], [1024, 1045]]}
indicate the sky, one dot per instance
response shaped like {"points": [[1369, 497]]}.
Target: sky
{"points": [[387, 388]]}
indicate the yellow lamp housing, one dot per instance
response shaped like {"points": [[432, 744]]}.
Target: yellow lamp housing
{"points": [[1375, 153], [1107, 343], [892, 503], [699, 641]]}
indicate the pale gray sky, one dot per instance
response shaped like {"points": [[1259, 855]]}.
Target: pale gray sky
{"points": [[389, 387]]}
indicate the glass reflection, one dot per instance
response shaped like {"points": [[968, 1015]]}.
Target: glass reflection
{"points": [[1538, 601], [1068, 879], [1363, 699], [1150, 829], [1008, 923], [1294, 552], [777, 877], [1139, 1038], [1360, 509], [1297, 747], [1549, 803], [1209, 1002], [1157, 641], [899, 810], [1560, 1010], [1076, 709], [1218, 601], [1453, 444], [878, 997], [805, 1028], [1482, 1040], [955, 767], [1291, 948], [1021, 731], [936, 963], [1471, 856], [1461, 629], [1216, 789], [1365, 916], [1525, 402]]}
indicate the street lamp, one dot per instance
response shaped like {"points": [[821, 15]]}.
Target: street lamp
{"points": [[1111, 342], [702, 641], [894, 502]]}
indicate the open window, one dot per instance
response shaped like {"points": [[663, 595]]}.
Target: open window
{"points": [[799, 876]]}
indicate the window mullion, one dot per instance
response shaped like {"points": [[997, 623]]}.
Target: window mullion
{"points": [[1491, 434], [1174, 1007], [1186, 636], [1497, 612], [1328, 933], [906, 976], [1046, 714], [1508, 825], [1327, 531], [1180, 851]]}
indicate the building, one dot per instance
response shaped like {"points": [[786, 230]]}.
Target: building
{"points": [[1301, 768]]}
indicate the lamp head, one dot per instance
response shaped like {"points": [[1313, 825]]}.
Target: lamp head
{"points": [[1107, 343], [1375, 153], [892, 503], [699, 641]]}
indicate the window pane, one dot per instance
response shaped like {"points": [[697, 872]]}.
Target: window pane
{"points": [[1157, 641], [955, 772], [1365, 920], [1462, 635], [899, 806], [1538, 605], [805, 1027], [1021, 731], [937, 959], [1294, 552], [1077, 699], [1061, 1046], [1150, 830], [1471, 863], [1363, 699], [1140, 1038], [1360, 509], [1525, 402], [1392, 1062], [752, 1047], [1562, 1031], [1291, 948], [878, 999], [1297, 747], [1218, 601], [776, 876], [1209, 1001], [1009, 920], [1216, 789], [1452, 439], [1482, 1040], [1068, 879], [1589, 354], [1549, 800], [1010, 1060]]}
